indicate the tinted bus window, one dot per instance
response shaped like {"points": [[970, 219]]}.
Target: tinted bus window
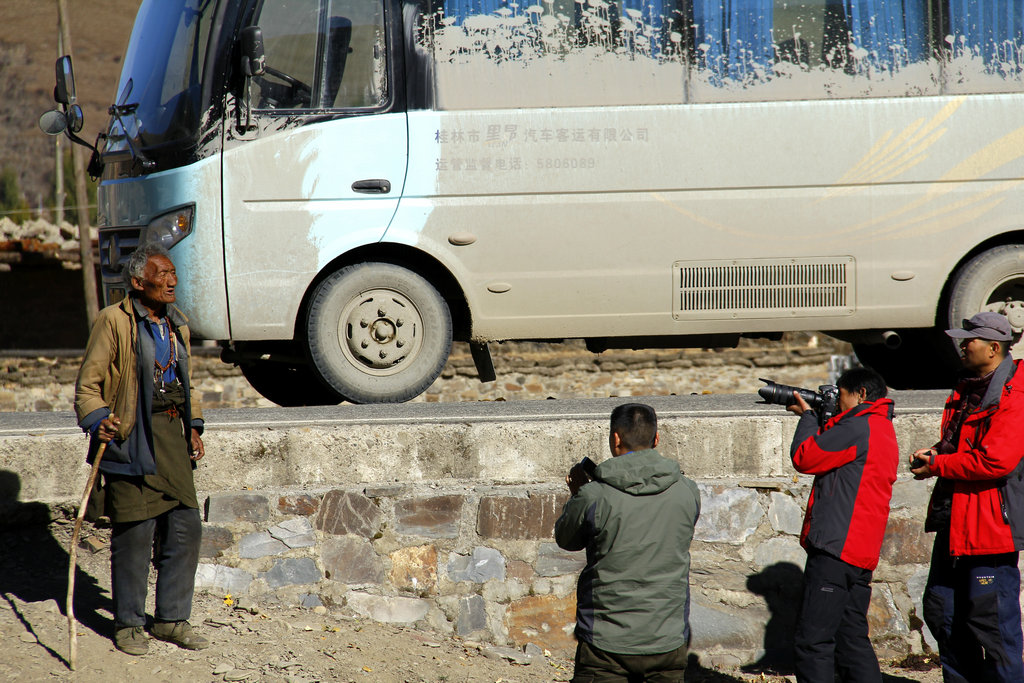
{"points": [[985, 46]]}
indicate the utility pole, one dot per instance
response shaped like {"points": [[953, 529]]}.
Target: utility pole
{"points": [[58, 175], [81, 195]]}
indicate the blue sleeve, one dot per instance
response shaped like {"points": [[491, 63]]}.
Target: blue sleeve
{"points": [[91, 422]]}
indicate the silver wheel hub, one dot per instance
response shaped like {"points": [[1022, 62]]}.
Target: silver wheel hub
{"points": [[380, 331]]}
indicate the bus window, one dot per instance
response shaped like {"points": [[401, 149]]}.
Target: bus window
{"points": [[337, 64], [354, 73], [985, 47], [762, 50], [290, 42]]}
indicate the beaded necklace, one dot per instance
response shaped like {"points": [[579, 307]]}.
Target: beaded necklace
{"points": [[172, 356]]}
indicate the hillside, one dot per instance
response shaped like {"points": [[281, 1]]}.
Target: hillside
{"points": [[28, 47]]}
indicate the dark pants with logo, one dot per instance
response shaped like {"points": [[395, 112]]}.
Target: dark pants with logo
{"points": [[972, 607], [832, 631], [171, 541], [597, 666]]}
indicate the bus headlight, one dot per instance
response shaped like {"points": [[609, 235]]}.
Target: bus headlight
{"points": [[170, 228]]}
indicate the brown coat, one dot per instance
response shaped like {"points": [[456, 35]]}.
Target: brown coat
{"points": [[108, 377]]}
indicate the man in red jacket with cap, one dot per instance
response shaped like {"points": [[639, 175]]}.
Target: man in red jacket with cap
{"points": [[972, 598], [853, 458]]}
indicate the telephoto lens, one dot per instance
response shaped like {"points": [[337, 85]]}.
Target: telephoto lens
{"points": [[785, 395]]}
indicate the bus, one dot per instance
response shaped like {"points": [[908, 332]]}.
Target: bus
{"points": [[347, 186]]}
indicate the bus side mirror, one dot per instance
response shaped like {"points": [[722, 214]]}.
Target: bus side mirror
{"points": [[254, 62], [64, 91], [53, 122]]}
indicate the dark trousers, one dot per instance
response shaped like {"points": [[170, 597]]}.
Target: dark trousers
{"points": [[597, 666], [832, 630], [971, 605], [171, 541]]}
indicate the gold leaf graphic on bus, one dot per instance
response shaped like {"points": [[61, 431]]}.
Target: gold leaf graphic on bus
{"points": [[950, 202], [895, 154]]}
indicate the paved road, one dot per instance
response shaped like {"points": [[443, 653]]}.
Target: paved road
{"points": [[712, 405]]}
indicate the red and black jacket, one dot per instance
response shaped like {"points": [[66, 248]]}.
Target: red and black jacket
{"points": [[854, 459], [986, 469]]}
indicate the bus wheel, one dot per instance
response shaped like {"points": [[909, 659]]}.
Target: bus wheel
{"points": [[378, 333], [991, 281], [288, 385]]}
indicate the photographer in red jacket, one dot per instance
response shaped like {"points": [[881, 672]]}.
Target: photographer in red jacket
{"points": [[853, 458], [971, 601]]}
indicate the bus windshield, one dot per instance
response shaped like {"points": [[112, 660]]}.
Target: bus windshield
{"points": [[162, 75]]}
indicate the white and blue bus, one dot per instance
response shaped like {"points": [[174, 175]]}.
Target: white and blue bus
{"points": [[346, 186]]}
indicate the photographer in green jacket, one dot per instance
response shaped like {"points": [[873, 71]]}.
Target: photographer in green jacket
{"points": [[635, 516]]}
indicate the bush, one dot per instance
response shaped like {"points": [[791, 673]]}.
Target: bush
{"points": [[12, 202]]}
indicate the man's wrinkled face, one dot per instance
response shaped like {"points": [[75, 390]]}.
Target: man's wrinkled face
{"points": [[157, 284]]}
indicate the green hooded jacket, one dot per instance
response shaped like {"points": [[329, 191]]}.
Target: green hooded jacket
{"points": [[635, 521]]}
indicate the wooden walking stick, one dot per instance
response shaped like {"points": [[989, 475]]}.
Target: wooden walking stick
{"points": [[73, 556]]}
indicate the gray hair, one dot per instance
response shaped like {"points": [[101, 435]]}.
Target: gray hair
{"points": [[136, 265]]}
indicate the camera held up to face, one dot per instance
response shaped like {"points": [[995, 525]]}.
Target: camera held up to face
{"points": [[824, 402]]}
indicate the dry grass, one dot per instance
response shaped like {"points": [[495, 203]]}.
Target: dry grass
{"points": [[28, 48]]}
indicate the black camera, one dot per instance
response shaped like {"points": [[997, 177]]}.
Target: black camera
{"points": [[824, 402], [589, 467]]}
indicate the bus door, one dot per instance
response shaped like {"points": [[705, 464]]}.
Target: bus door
{"points": [[314, 161]]}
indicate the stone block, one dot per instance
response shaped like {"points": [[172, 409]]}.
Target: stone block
{"points": [[519, 570], [884, 618], [345, 512], [911, 494], [310, 600], [514, 518], [414, 569], [350, 559], [785, 514], [553, 561], [292, 572], [915, 587], [545, 620], [387, 608], [483, 565], [216, 539], [727, 514], [472, 615], [259, 544], [722, 628], [231, 508], [435, 517], [294, 533], [221, 579], [906, 542], [778, 550], [298, 504]]}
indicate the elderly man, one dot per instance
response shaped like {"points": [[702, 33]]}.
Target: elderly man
{"points": [[134, 393], [971, 600]]}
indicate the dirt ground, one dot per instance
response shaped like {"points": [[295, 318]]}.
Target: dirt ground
{"points": [[249, 642]]}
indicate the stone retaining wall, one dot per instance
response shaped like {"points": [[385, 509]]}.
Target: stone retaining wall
{"points": [[480, 561]]}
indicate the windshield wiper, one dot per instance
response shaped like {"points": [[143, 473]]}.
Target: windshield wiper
{"points": [[118, 110]]}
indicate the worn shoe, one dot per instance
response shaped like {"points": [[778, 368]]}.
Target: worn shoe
{"points": [[180, 633], [131, 640]]}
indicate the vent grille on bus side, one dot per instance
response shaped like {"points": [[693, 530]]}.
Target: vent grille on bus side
{"points": [[764, 288]]}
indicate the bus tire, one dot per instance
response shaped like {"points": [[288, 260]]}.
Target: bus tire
{"points": [[378, 333], [991, 281], [287, 385]]}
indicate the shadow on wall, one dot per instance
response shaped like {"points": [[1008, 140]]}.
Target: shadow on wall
{"points": [[34, 565], [781, 586]]}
